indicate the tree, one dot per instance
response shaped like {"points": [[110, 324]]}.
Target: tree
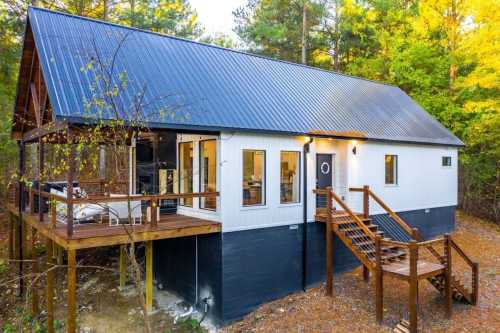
{"points": [[275, 27]]}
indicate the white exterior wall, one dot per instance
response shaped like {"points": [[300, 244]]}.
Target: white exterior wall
{"points": [[422, 180]]}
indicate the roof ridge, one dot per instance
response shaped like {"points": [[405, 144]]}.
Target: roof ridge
{"points": [[209, 45]]}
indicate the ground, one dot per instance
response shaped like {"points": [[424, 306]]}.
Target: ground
{"points": [[103, 308]]}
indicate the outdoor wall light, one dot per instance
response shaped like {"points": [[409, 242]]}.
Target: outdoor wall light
{"points": [[354, 150]]}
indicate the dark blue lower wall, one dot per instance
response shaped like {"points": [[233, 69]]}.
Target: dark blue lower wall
{"points": [[177, 267], [243, 269], [429, 222], [265, 264]]}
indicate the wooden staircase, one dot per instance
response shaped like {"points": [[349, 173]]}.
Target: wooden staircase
{"points": [[402, 259]]}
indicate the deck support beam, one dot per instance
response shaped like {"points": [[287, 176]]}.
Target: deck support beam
{"points": [[71, 322], [34, 270], [19, 228], [11, 236], [447, 277], [329, 243], [123, 267], [379, 282], [366, 274], [149, 276], [413, 292], [49, 263]]}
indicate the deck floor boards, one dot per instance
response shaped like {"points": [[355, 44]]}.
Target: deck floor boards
{"points": [[96, 234]]}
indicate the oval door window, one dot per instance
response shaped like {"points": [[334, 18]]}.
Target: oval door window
{"points": [[325, 168]]}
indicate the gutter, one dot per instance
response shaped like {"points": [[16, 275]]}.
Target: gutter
{"points": [[304, 223]]}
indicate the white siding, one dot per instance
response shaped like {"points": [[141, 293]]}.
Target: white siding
{"points": [[422, 181], [273, 213]]}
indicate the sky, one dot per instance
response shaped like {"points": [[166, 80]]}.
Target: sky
{"points": [[217, 15]]}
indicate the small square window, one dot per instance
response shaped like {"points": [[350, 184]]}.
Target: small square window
{"points": [[446, 161], [391, 169]]}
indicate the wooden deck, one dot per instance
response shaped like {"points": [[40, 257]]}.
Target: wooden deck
{"points": [[90, 235]]}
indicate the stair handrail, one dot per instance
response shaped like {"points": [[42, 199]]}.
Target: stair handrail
{"points": [[475, 271], [346, 208], [415, 234]]}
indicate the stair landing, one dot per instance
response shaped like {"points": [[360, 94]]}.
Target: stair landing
{"points": [[401, 269]]}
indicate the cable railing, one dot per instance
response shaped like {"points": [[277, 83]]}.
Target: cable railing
{"points": [[58, 208]]}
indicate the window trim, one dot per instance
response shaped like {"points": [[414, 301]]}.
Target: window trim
{"points": [[395, 171], [299, 166], [200, 173], [179, 172], [264, 178], [443, 159]]}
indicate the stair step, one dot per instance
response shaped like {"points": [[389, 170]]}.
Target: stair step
{"points": [[394, 255], [401, 329], [372, 227]]}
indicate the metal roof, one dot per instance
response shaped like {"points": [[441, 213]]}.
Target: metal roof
{"points": [[215, 88]]}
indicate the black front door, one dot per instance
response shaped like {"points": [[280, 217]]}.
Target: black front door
{"points": [[324, 170]]}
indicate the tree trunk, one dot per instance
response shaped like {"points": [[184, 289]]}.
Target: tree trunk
{"points": [[304, 32]]}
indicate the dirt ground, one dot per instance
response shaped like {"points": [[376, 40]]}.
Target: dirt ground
{"points": [[352, 309], [103, 308]]}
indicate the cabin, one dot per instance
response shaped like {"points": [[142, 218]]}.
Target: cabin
{"points": [[258, 178]]}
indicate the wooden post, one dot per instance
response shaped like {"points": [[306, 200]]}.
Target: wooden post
{"points": [[379, 282], [34, 269], [366, 274], [475, 283], [11, 236], [366, 201], [53, 212], [413, 294], [71, 324], [329, 243], [19, 232], [447, 276], [123, 267], [41, 162], [414, 233], [149, 276], [50, 285], [70, 179]]}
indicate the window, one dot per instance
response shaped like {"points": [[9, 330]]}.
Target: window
{"points": [[208, 172], [186, 172], [290, 177], [391, 169], [253, 177], [446, 161]]}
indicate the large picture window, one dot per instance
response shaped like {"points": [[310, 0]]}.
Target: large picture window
{"points": [[391, 169], [208, 172], [186, 172], [254, 177], [290, 177]]}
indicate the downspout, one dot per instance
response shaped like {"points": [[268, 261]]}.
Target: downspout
{"points": [[304, 223]]}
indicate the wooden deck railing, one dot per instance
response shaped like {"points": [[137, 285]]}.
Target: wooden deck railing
{"points": [[52, 200], [414, 234]]}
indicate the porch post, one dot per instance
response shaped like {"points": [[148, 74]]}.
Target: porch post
{"points": [[20, 220], [413, 294], [149, 276], [71, 325], [41, 162], [70, 179], [329, 243], [49, 262], [34, 269]]}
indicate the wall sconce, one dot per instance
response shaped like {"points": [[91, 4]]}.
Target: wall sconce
{"points": [[354, 150]]}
